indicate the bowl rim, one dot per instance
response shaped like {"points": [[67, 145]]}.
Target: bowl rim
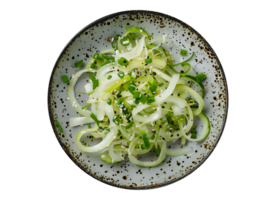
{"points": [[66, 150]]}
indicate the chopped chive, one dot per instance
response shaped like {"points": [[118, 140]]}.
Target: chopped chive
{"points": [[148, 60], [86, 106], [123, 61], [143, 99], [169, 119], [119, 101], [93, 66], [193, 131], [108, 57], [192, 103], [150, 99], [128, 126], [94, 80], [121, 74], [158, 150], [143, 147], [65, 79], [136, 101], [183, 52], [104, 63], [132, 106], [59, 126], [173, 126], [150, 36], [131, 87], [116, 120], [201, 76], [136, 95], [161, 84], [95, 55], [153, 136], [95, 119], [125, 41], [109, 101], [114, 41], [89, 127], [109, 77], [78, 64], [145, 138]]}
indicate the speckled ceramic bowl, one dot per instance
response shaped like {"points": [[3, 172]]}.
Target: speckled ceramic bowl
{"points": [[96, 37]]}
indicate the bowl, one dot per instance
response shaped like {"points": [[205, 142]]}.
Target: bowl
{"points": [[97, 37]]}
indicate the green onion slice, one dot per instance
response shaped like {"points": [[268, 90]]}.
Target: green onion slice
{"points": [[78, 64], [59, 126], [122, 61], [65, 79]]}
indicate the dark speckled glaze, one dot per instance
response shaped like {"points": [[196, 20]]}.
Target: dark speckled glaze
{"points": [[96, 37]]}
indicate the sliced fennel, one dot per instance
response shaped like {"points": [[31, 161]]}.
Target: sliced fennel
{"points": [[137, 93]]}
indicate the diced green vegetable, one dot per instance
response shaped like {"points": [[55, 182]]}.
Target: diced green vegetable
{"points": [[122, 61], [183, 52], [65, 79], [59, 126], [78, 64]]}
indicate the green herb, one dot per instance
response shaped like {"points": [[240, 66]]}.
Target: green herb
{"points": [[143, 99], [84, 107], [145, 138], [121, 74], [59, 126], [192, 103], [95, 119], [114, 41], [94, 80], [78, 64], [95, 56], [131, 87], [169, 119], [173, 126], [88, 125], [149, 60], [183, 52], [194, 132], [109, 77], [104, 63], [122, 61], [128, 126], [143, 147], [125, 41], [150, 99], [119, 101], [65, 79], [109, 101], [132, 35], [132, 106], [158, 150], [161, 84], [116, 120], [136, 95], [108, 57], [93, 66], [201, 76]]}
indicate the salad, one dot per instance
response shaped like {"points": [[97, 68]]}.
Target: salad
{"points": [[139, 100]]}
